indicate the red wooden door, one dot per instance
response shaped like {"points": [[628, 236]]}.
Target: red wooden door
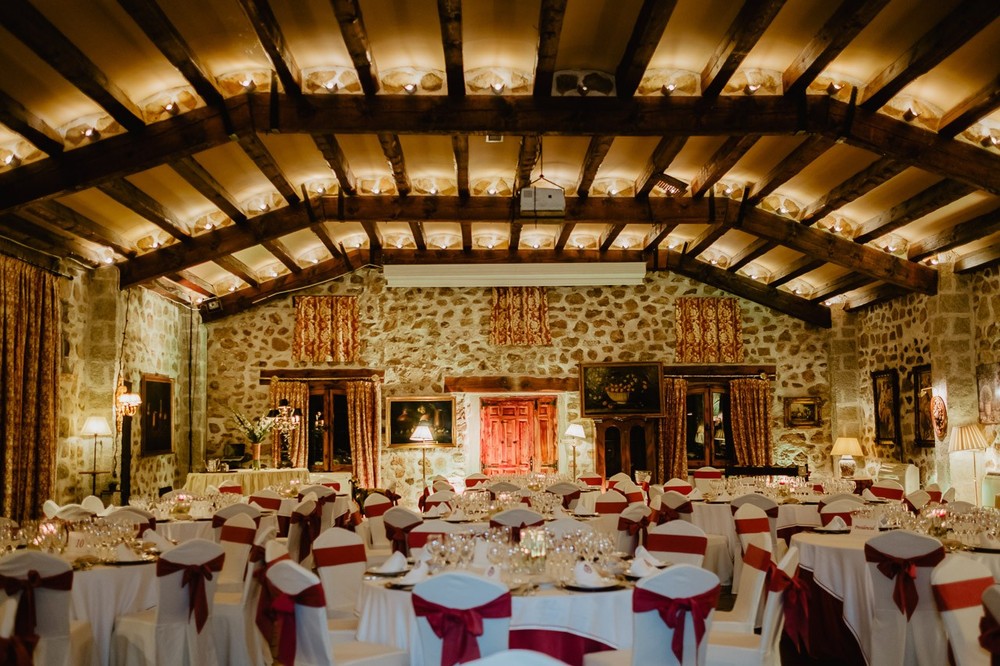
{"points": [[517, 436]]}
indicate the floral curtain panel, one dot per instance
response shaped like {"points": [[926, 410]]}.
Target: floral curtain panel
{"points": [[29, 377], [297, 395], [326, 329], [673, 430], [364, 400], [750, 411], [709, 330], [520, 316]]}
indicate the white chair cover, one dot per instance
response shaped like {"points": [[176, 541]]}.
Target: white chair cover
{"points": [[236, 536], [949, 495], [591, 479], [302, 520], [744, 614], [918, 499], [425, 531], [631, 524], [92, 503], [958, 584], [768, 505], [376, 505], [502, 487], [563, 489], [960, 506], [843, 508], [399, 519], [632, 492], [678, 542], [609, 506], [442, 484], [890, 490], [327, 498], [474, 480], [677, 502], [749, 519], [705, 477], [225, 513], [439, 497], [267, 498], [678, 485], [520, 657], [620, 477], [340, 560], [847, 497]]}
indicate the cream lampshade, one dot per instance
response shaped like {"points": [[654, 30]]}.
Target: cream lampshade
{"points": [[575, 430], [968, 438], [847, 448], [422, 434]]}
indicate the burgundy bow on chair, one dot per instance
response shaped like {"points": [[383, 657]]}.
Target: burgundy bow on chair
{"points": [[458, 628], [989, 635], [393, 497], [194, 579], [667, 513], [397, 535], [23, 642], [281, 606], [904, 572], [18, 651], [263, 622], [796, 604], [672, 611], [310, 529], [634, 527]]}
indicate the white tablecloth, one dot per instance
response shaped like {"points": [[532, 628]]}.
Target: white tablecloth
{"points": [[101, 593], [250, 480], [717, 518], [180, 531]]}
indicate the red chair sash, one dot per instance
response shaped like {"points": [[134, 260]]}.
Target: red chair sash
{"points": [[333, 485], [423, 498], [887, 493], [526, 499], [610, 507], [826, 518], [753, 526], [634, 496], [458, 628], [261, 619], [193, 579], [281, 607], [219, 521], [758, 558], [271, 503], [818, 488], [244, 535], [989, 634], [796, 605], [672, 611], [683, 490], [18, 651], [420, 539], [397, 536], [568, 498], [376, 510], [591, 480], [393, 497], [634, 527], [904, 572], [770, 513], [515, 530], [472, 482], [309, 530], [235, 490], [612, 485], [960, 594], [26, 621], [708, 474], [667, 513], [688, 544], [283, 522], [337, 555]]}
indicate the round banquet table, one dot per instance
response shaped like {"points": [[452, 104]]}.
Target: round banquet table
{"points": [[250, 480], [562, 624], [180, 531]]}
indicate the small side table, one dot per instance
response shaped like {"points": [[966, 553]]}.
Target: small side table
{"points": [[93, 478]]}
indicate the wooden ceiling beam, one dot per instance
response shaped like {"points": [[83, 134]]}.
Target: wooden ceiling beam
{"points": [[977, 105], [466, 236], [664, 153], [42, 259], [950, 33], [41, 238], [514, 244], [743, 33], [724, 159], [189, 280], [320, 231], [645, 37], [393, 151], [550, 23], [502, 256], [664, 230], [751, 251], [802, 156], [200, 179], [597, 150], [374, 237], [153, 21], [273, 40], [352, 27], [794, 270], [840, 251], [752, 290], [979, 260], [849, 19], [706, 239], [957, 236], [565, 230], [63, 217], [255, 149], [866, 180], [460, 148], [842, 285], [527, 156], [335, 158], [238, 268], [914, 208], [143, 205], [281, 253], [417, 231], [14, 115], [610, 234], [874, 295], [450, 15]]}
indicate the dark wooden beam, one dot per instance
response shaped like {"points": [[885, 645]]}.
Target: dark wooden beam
{"points": [[514, 244], [393, 151], [875, 295], [840, 251], [334, 156], [743, 33], [596, 152], [450, 15], [979, 260], [58, 216], [914, 208], [977, 105], [312, 375], [781, 301], [417, 230], [610, 234], [502, 256], [859, 184], [803, 155], [706, 239], [565, 229], [466, 236], [153, 21], [727, 370], [321, 232], [239, 269], [43, 238], [21, 19], [849, 19], [721, 161], [664, 153], [646, 35], [957, 236], [950, 33], [352, 27], [144, 205], [271, 38], [550, 23], [255, 149], [526, 158], [751, 251], [29, 255], [460, 147], [793, 270], [191, 281], [200, 179], [374, 237], [842, 285], [665, 229], [510, 384], [281, 253], [31, 127]]}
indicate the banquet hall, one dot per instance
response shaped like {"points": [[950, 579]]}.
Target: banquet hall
{"points": [[408, 247]]}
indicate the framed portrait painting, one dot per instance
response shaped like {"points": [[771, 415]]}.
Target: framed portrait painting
{"points": [[923, 420], [157, 415], [403, 415], [625, 389], [885, 387]]}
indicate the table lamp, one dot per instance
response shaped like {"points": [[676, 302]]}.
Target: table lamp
{"points": [[422, 433], [98, 427], [847, 448], [575, 430], [968, 438]]}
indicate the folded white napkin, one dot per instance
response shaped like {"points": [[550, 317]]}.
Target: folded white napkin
{"points": [[868, 495], [395, 564], [642, 554], [108, 510], [434, 511], [695, 494], [211, 490], [161, 542], [581, 510], [125, 554], [558, 512], [419, 572], [480, 557], [586, 575], [642, 568], [837, 523]]}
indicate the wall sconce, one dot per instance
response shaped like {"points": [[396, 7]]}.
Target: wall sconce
{"points": [[834, 88], [12, 160], [92, 133]]}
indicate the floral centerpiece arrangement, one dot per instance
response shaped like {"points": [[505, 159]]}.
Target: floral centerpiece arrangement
{"points": [[255, 431]]}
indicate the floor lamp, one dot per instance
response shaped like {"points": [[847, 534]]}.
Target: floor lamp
{"points": [[575, 430], [422, 433], [968, 438], [98, 427]]}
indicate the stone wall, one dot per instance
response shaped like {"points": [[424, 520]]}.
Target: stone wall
{"points": [[420, 336], [985, 288]]}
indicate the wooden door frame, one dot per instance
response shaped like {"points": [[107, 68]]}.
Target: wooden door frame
{"points": [[486, 401]]}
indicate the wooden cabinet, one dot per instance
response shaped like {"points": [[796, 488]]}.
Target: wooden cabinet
{"points": [[625, 445]]}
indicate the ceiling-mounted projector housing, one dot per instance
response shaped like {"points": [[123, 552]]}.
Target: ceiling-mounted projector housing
{"points": [[543, 202]]}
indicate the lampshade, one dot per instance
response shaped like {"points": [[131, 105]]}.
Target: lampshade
{"points": [[422, 433], [575, 430], [966, 438], [96, 425], [847, 446]]}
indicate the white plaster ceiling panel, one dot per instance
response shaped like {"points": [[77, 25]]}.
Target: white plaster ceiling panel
{"points": [[788, 33], [491, 160], [825, 172], [429, 156], [696, 27], [219, 33], [104, 210], [364, 154], [343, 232], [767, 153], [776, 260], [405, 33], [627, 157], [889, 194], [167, 187], [212, 273], [967, 208], [312, 32], [595, 34], [500, 34], [7, 135], [824, 275], [561, 159], [256, 257], [235, 171], [298, 157], [696, 152], [733, 242]]}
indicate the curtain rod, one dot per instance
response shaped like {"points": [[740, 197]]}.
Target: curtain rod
{"points": [[12, 255], [759, 375], [318, 379]]}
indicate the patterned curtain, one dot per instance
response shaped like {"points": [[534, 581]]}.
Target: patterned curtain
{"points": [[297, 395], [326, 329], [673, 430], [709, 330], [364, 401], [520, 316], [750, 410], [29, 378]]}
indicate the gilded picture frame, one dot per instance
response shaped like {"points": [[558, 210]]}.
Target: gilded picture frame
{"points": [[404, 414], [621, 389]]}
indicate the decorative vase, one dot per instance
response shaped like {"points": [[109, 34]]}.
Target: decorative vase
{"points": [[255, 463]]}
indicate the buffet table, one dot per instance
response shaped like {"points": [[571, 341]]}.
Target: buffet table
{"points": [[250, 480]]}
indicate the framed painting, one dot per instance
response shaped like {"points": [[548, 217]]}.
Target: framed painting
{"points": [[802, 412], [404, 415], [988, 384], [157, 415], [923, 420], [885, 387], [621, 389]]}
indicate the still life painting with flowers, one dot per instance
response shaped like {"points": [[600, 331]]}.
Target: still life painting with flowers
{"points": [[632, 389]]}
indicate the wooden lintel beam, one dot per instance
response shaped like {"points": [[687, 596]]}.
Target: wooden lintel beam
{"points": [[526, 157], [191, 281], [282, 254], [63, 217], [803, 155], [28, 254], [273, 40], [665, 229], [664, 153], [721, 161], [706, 239], [597, 149], [318, 374], [977, 105], [979, 260], [30, 26], [723, 370], [610, 235], [352, 27], [950, 33], [550, 23], [200, 179], [130, 196], [743, 33], [957, 236], [565, 229], [509, 384], [374, 237], [450, 15], [842, 285], [794, 270], [14, 115], [393, 151], [866, 180], [417, 230], [239, 269], [334, 156], [502, 256], [466, 236], [646, 35], [750, 252], [880, 293], [460, 148], [914, 208], [255, 149]]}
